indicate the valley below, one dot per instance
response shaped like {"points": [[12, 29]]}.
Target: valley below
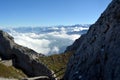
{"points": [[24, 63]]}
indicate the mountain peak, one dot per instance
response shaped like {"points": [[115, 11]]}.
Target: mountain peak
{"points": [[97, 51]]}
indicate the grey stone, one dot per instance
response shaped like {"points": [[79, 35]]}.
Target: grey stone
{"points": [[97, 54], [22, 57]]}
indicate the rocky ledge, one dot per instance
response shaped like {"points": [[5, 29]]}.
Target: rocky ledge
{"points": [[97, 54], [22, 57]]}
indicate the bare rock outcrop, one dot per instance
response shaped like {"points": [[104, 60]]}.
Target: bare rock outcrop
{"points": [[22, 57], [97, 54]]}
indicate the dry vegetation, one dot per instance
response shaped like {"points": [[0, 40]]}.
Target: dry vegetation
{"points": [[56, 62], [11, 72]]}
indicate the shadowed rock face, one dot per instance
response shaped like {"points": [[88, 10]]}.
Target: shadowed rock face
{"points": [[22, 57], [97, 54]]}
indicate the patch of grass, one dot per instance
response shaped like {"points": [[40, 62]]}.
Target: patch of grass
{"points": [[56, 62], [11, 72]]}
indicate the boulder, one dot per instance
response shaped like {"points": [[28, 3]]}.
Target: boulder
{"points": [[22, 57]]}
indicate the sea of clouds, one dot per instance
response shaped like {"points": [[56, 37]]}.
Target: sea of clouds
{"points": [[47, 40]]}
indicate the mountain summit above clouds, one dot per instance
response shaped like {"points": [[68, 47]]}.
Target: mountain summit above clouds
{"points": [[97, 54]]}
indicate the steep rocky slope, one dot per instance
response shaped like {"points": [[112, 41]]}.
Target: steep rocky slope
{"points": [[97, 54], [22, 57]]}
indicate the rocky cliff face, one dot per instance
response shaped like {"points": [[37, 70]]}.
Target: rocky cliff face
{"points": [[22, 57], [97, 54]]}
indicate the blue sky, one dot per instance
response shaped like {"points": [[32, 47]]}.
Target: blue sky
{"points": [[16, 13]]}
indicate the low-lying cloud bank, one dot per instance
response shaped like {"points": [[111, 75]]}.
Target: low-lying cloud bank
{"points": [[47, 41]]}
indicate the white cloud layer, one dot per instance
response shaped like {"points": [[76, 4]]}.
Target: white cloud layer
{"points": [[45, 43]]}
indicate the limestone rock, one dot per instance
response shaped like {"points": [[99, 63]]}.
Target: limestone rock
{"points": [[22, 57], [75, 45], [97, 54]]}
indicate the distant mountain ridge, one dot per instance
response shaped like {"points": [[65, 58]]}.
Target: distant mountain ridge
{"points": [[48, 29]]}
